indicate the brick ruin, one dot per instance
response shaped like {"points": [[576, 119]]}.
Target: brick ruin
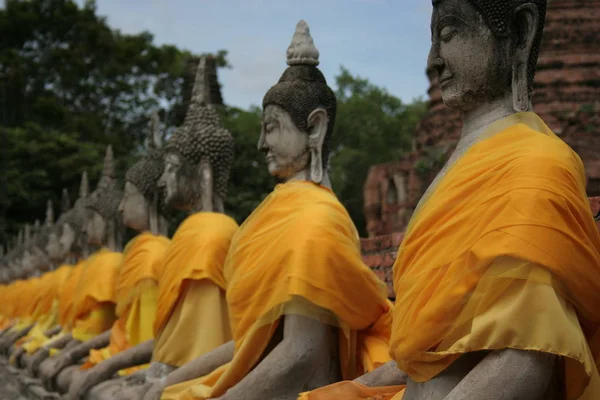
{"points": [[567, 97]]}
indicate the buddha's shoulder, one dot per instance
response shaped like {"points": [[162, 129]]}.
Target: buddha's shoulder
{"points": [[539, 151]]}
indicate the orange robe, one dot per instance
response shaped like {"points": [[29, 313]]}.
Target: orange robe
{"points": [[504, 253], [95, 295], [136, 296], [298, 253], [47, 308], [192, 317]]}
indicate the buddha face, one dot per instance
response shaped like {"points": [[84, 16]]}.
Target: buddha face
{"points": [[95, 228], [285, 146], [178, 181], [473, 66], [4, 274], [134, 208], [26, 262], [66, 240], [41, 260], [53, 247]]}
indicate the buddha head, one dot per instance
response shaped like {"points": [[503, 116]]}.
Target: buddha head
{"points": [[486, 50], [199, 155], [142, 206], [28, 257], [53, 248], [103, 223], [298, 115], [40, 259], [71, 225]]}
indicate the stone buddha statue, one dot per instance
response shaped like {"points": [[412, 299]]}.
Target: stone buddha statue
{"points": [[198, 157], [53, 247], [103, 229], [485, 55], [22, 268], [104, 226], [473, 293], [71, 229], [38, 256], [143, 209], [62, 246], [197, 163], [285, 339]]}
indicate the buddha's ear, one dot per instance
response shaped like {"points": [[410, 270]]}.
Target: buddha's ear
{"points": [[524, 34], [317, 130]]}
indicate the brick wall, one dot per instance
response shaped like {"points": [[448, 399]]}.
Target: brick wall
{"points": [[380, 252], [567, 97]]}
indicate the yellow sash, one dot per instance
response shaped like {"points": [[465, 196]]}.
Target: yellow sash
{"points": [[95, 296], [136, 296], [197, 251]]}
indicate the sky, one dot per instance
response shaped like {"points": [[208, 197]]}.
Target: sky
{"points": [[385, 41]]}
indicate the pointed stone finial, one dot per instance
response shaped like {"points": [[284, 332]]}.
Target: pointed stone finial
{"points": [[200, 91], [27, 234], [302, 50], [49, 214], [36, 228], [65, 201], [109, 163], [154, 136], [84, 187]]}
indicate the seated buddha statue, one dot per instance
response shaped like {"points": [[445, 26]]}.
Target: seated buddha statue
{"points": [[93, 308], [304, 310], [132, 336], [498, 276], [64, 248], [192, 317]]}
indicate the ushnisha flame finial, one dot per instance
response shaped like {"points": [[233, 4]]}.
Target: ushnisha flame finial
{"points": [[200, 91], [302, 50], [65, 201], [109, 164], [154, 140], [49, 214], [27, 235], [84, 187]]}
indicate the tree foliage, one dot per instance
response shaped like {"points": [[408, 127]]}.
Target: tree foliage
{"points": [[69, 86], [372, 127]]}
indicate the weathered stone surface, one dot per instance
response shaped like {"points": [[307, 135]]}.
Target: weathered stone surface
{"points": [[567, 97], [380, 252]]}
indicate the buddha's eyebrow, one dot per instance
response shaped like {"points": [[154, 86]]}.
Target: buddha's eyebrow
{"points": [[447, 20]]}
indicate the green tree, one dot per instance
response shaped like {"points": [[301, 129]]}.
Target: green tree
{"points": [[250, 180], [69, 86], [372, 126]]}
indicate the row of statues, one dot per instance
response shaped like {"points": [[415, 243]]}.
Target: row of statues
{"points": [[496, 280]]}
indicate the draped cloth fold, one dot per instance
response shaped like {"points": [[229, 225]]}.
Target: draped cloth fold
{"points": [[298, 253], [95, 295], [48, 307], [67, 296], [136, 296], [503, 253], [192, 316]]}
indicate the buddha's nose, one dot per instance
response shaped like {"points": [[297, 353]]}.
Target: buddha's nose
{"points": [[435, 62]]}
